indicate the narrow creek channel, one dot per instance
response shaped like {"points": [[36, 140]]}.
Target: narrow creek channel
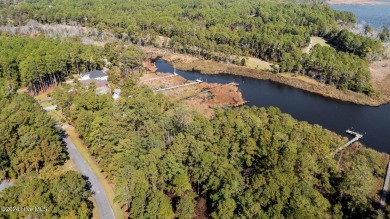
{"points": [[338, 116]]}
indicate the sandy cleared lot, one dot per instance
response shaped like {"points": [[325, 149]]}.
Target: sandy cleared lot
{"points": [[380, 72], [255, 63], [314, 41]]}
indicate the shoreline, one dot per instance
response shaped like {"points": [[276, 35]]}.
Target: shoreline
{"points": [[288, 79], [203, 97], [357, 2], [190, 63]]}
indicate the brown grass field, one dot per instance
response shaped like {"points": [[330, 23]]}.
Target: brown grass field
{"points": [[202, 97]]}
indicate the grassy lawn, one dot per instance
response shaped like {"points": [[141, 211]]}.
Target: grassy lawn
{"points": [[319, 40], [256, 63], [301, 78], [56, 115], [315, 41], [69, 165], [46, 104]]}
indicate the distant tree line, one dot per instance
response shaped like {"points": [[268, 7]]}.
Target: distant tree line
{"points": [[166, 160], [275, 31]]}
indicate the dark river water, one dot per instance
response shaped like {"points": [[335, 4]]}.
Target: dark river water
{"points": [[338, 116], [375, 15]]}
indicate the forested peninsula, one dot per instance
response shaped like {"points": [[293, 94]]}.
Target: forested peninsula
{"points": [[164, 159]]}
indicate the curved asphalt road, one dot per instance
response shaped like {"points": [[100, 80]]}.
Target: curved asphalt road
{"points": [[100, 197]]}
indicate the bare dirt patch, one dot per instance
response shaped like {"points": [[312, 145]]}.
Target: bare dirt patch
{"points": [[201, 209], [203, 97], [314, 41], [256, 63], [380, 72]]}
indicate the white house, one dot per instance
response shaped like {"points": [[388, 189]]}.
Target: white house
{"points": [[94, 75]]}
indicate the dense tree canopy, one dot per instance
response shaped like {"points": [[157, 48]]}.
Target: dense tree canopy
{"points": [[162, 157], [64, 196], [40, 63], [246, 162], [28, 139], [214, 29], [364, 47], [31, 152], [325, 64], [275, 31]]}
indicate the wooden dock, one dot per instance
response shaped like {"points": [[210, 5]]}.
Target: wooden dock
{"points": [[178, 86], [384, 190], [356, 138]]}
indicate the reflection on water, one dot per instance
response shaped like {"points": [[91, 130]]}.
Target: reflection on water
{"points": [[373, 122]]}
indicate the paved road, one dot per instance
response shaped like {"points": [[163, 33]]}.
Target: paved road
{"points": [[100, 197]]}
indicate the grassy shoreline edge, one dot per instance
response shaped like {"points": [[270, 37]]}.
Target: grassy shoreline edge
{"points": [[213, 67]]}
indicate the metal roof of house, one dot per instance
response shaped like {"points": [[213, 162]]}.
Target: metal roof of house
{"points": [[94, 74]]}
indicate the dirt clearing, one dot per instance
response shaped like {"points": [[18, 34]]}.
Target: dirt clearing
{"points": [[256, 63], [202, 96], [314, 41], [380, 72]]}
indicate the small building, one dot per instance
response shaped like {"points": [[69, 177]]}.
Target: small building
{"points": [[116, 94], [94, 75]]}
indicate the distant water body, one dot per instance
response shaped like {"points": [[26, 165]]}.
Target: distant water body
{"points": [[374, 15], [338, 116]]}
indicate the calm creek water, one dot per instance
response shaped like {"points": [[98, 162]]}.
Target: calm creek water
{"points": [[338, 116]]}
